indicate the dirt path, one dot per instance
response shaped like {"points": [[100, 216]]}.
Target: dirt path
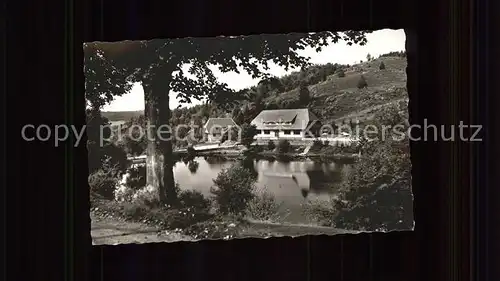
{"points": [[106, 231], [293, 230]]}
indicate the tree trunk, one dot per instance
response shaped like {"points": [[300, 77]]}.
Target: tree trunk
{"points": [[159, 162]]}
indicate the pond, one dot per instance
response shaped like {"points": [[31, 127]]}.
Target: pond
{"points": [[293, 182]]}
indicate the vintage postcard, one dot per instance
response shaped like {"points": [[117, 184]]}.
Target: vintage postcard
{"points": [[248, 136]]}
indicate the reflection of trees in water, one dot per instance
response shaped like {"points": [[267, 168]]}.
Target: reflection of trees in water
{"points": [[193, 166], [324, 180], [304, 192], [284, 159], [215, 159], [249, 164]]}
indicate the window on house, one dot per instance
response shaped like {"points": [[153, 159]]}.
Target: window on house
{"points": [[297, 132], [267, 132], [287, 132]]}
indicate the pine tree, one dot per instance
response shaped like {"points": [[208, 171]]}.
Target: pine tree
{"points": [[382, 66]]}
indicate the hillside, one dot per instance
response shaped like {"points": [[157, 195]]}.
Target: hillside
{"points": [[121, 115], [338, 98], [335, 99]]}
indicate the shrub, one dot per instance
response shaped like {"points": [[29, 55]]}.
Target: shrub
{"points": [[233, 190], [323, 213], [362, 82], [284, 146], [103, 184], [326, 143], [341, 73], [381, 66], [376, 195], [194, 200], [271, 145], [193, 166], [135, 211], [214, 229], [317, 145], [191, 151], [147, 197], [248, 132], [175, 218], [137, 178], [264, 207]]}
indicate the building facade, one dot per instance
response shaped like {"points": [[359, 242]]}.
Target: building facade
{"points": [[216, 127], [293, 124]]}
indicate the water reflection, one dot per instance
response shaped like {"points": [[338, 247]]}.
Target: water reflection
{"points": [[291, 181], [193, 166]]}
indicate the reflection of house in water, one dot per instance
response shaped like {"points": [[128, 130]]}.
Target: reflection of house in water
{"points": [[304, 177], [285, 182], [286, 176]]}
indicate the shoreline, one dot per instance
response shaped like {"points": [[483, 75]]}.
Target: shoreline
{"points": [[238, 154]]}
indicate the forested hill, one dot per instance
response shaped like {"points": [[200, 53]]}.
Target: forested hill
{"points": [[121, 115], [333, 92]]}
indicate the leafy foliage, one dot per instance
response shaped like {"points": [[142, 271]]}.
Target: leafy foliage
{"points": [[103, 183], [137, 178], [233, 190], [161, 67], [108, 151], [146, 60], [103, 80], [341, 73], [194, 200], [193, 166], [264, 207], [284, 146], [377, 193], [271, 145], [135, 139], [381, 66], [394, 54], [248, 132]]}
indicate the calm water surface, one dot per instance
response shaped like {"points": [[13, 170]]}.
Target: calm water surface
{"points": [[292, 182]]}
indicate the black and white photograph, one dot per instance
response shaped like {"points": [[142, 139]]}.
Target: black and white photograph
{"points": [[261, 136]]}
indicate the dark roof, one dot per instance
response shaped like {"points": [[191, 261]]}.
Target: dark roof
{"points": [[292, 119], [220, 123]]}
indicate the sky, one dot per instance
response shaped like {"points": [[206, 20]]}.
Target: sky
{"points": [[379, 42]]}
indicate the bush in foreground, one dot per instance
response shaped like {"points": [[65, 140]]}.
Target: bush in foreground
{"points": [[264, 207], [377, 194], [192, 199], [233, 190], [103, 184]]}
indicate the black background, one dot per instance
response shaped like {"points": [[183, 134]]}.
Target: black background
{"points": [[449, 79]]}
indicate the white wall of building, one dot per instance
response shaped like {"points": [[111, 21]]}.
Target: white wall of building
{"points": [[281, 134]]}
